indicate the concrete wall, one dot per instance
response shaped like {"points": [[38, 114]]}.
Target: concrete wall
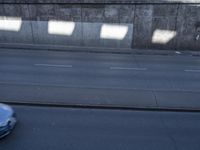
{"points": [[159, 24]]}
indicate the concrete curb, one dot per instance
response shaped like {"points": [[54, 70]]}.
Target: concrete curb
{"points": [[98, 106], [97, 49]]}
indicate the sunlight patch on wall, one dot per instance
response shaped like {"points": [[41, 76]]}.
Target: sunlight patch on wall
{"points": [[113, 31], [10, 23], [61, 27], [163, 36]]}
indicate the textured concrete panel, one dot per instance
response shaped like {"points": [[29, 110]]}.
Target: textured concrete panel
{"points": [[112, 13], [68, 12], [42, 12], [93, 13], [187, 22], [126, 42], [165, 10], [166, 25], [143, 26], [23, 35], [127, 13], [71, 40], [1, 10], [149, 19], [91, 34], [165, 19], [54, 11], [40, 33], [15, 11]]}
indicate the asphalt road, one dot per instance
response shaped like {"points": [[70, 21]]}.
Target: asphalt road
{"points": [[45, 128], [100, 79]]}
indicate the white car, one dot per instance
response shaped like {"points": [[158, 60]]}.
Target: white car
{"points": [[7, 120]]}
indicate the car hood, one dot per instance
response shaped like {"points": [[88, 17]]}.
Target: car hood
{"points": [[5, 113]]}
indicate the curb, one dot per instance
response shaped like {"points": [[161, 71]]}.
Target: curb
{"points": [[98, 49], [102, 106]]}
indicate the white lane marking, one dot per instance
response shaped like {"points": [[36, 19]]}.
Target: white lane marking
{"points": [[124, 68], [53, 65], [192, 71]]}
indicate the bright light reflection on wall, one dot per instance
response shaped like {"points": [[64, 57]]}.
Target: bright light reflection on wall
{"points": [[111, 31], [61, 27], [163, 36], [10, 23]]}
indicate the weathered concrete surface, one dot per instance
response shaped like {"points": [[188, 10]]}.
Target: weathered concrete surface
{"points": [[188, 25], [166, 24], [99, 1]]}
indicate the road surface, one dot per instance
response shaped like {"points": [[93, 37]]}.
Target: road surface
{"points": [[45, 128], [120, 80]]}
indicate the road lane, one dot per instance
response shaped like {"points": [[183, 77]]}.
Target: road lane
{"points": [[88, 96], [65, 128], [100, 73], [101, 77]]}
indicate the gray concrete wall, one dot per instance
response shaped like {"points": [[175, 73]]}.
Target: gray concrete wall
{"points": [[159, 24]]}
